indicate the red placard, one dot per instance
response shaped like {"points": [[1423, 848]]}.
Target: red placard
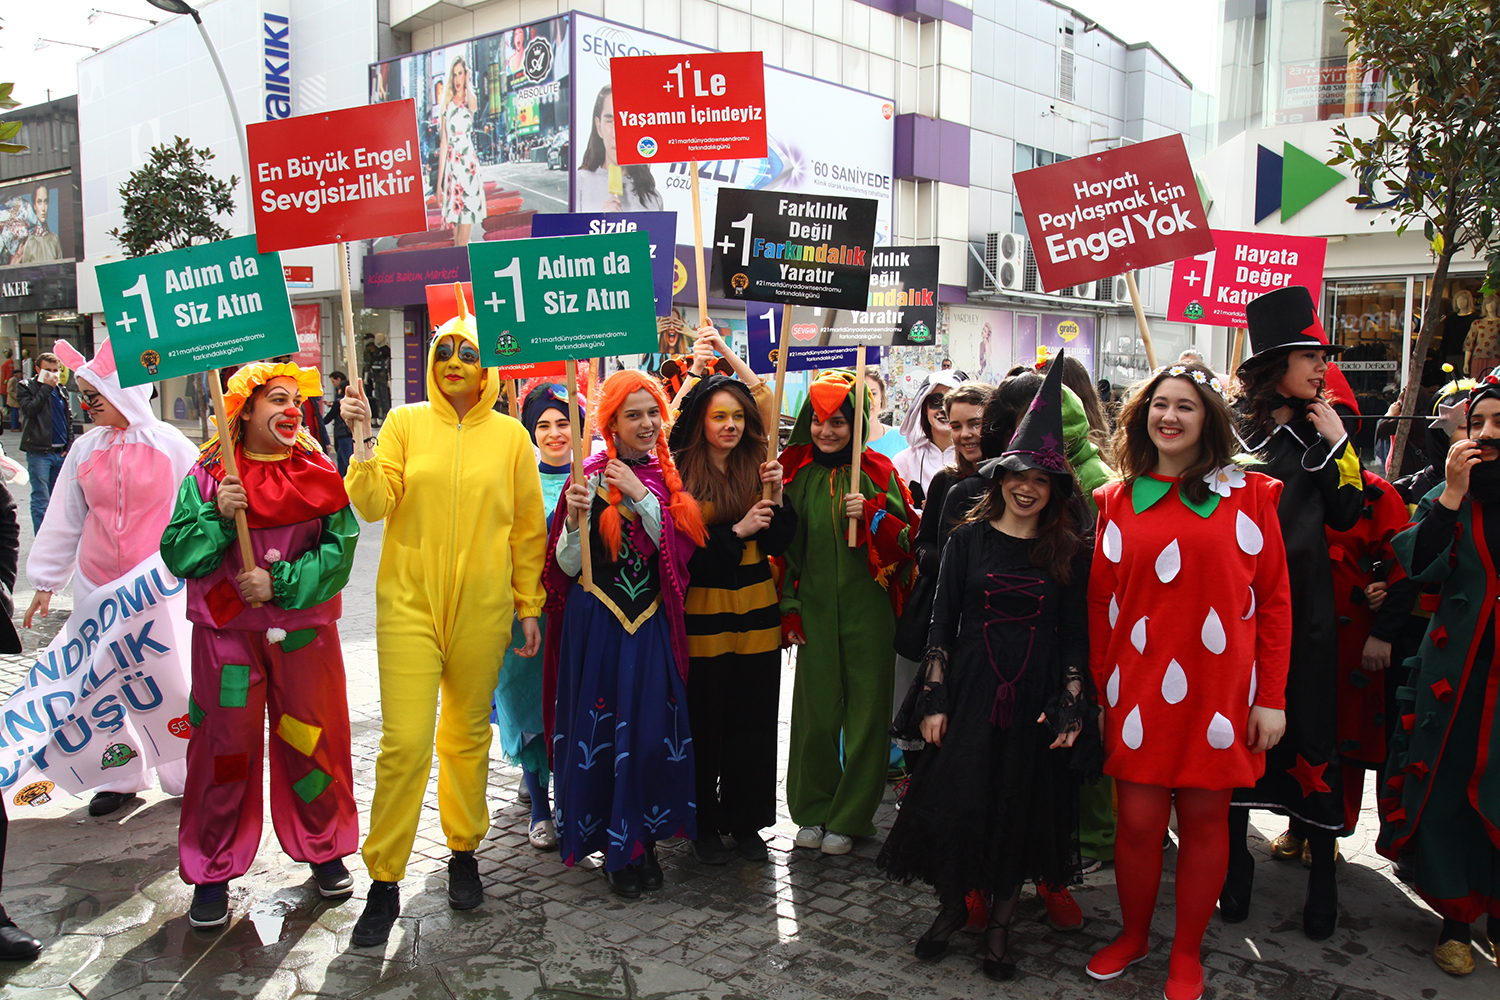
{"points": [[1214, 289], [339, 175], [442, 305], [698, 106], [1100, 215], [307, 317]]}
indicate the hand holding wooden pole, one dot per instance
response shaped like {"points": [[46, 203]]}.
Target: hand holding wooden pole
{"points": [[231, 468], [571, 367], [857, 394]]}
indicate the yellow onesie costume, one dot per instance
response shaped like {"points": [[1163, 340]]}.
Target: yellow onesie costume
{"points": [[465, 542]]}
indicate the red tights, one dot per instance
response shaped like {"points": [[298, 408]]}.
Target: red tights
{"points": [[1202, 860]]}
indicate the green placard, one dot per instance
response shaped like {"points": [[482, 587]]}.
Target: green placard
{"points": [[563, 297], [216, 305]]}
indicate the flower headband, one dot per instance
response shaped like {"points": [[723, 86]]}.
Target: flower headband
{"points": [[1183, 371]]}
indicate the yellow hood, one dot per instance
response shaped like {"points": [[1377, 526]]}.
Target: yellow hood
{"points": [[462, 326]]}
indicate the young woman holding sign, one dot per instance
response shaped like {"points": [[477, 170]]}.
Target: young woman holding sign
{"points": [[840, 604], [458, 488], [617, 652], [265, 641], [733, 625]]}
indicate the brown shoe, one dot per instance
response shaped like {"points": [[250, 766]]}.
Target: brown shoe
{"points": [[1286, 847], [1454, 957]]}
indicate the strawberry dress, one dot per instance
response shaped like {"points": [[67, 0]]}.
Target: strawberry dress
{"points": [[1190, 625]]}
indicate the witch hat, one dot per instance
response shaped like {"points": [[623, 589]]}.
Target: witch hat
{"points": [[1038, 441], [1285, 320]]}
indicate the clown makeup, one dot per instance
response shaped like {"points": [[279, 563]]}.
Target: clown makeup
{"points": [[832, 435], [637, 424], [724, 423], [966, 421], [1174, 423], [1484, 427], [554, 438], [1026, 495], [456, 364], [272, 417], [1304, 374], [101, 409]]}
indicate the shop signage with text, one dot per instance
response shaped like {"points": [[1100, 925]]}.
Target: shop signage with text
{"points": [[563, 297], [215, 305], [672, 108], [339, 175], [1214, 288], [801, 249], [1105, 214]]}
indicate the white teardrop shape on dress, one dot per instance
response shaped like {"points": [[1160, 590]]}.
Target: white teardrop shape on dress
{"points": [[1213, 633], [1251, 613], [1254, 682], [1169, 562], [1138, 635], [1247, 533], [1220, 732], [1114, 610], [1174, 685], [1113, 545], [1131, 732], [1112, 688]]}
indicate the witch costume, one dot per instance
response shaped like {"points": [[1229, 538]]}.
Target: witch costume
{"points": [[994, 806]]}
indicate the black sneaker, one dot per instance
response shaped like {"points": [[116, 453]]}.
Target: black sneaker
{"points": [[751, 846], [210, 905], [465, 890], [15, 944], [709, 850], [333, 878], [383, 906], [104, 803]]}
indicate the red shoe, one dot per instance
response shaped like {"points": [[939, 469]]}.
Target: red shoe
{"points": [[1179, 990], [979, 909], [1063, 911], [1111, 961]]}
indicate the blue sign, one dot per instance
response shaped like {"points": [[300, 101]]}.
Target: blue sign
{"points": [[660, 226], [763, 327]]}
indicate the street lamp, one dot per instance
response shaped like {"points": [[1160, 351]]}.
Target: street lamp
{"points": [[42, 43], [96, 13], [180, 7]]}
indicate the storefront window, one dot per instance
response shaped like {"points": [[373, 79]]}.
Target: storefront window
{"points": [[1316, 75], [372, 334]]}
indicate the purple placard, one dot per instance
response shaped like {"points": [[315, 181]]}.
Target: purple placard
{"points": [[760, 318], [401, 278], [660, 226]]}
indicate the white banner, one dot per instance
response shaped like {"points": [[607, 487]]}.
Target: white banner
{"points": [[823, 139], [109, 697]]}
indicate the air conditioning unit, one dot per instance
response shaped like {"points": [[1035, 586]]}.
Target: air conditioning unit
{"points": [[1005, 257], [1122, 291], [1085, 290]]}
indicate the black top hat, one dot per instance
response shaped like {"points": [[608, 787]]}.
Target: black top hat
{"points": [[1285, 320], [1038, 441]]}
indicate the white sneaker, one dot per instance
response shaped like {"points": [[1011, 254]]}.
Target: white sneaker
{"points": [[810, 836], [543, 835], [837, 843]]}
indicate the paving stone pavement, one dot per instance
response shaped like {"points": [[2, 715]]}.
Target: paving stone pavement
{"points": [[105, 898]]}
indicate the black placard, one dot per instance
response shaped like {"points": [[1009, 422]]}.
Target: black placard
{"points": [[803, 249]]}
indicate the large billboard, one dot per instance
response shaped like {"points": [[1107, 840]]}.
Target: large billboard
{"points": [[492, 126], [823, 139], [32, 225]]}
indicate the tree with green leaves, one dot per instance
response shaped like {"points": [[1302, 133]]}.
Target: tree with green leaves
{"points": [[173, 201], [1434, 152], [9, 130]]}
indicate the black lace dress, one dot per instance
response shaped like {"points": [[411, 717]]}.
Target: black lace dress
{"points": [[994, 806]]}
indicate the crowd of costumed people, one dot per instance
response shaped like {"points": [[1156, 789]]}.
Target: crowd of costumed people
{"points": [[1058, 619]]}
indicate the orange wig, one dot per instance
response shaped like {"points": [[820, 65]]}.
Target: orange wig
{"points": [[608, 398]]}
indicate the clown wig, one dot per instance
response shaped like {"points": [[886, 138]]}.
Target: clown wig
{"points": [[611, 395], [243, 386]]}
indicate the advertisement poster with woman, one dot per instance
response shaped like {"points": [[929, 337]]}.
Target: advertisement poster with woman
{"points": [[492, 119], [30, 229], [823, 139]]}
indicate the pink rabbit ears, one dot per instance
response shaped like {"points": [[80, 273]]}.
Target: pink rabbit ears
{"points": [[103, 364]]}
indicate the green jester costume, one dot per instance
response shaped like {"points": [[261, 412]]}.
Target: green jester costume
{"points": [[844, 601]]}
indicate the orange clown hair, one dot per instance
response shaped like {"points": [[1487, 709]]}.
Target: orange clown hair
{"points": [[243, 384], [608, 399]]}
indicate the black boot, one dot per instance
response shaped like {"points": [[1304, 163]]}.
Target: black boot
{"points": [[1234, 900], [1321, 913], [651, 876], [383, 906], [626, 882]]}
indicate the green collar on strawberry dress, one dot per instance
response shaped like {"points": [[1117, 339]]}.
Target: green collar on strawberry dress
{"points": [[1148, 489]]}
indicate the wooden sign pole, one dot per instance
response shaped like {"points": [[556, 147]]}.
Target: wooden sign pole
{"points": [[351, 339], [773, 432], [698, 246], [571, 367], [857, 394], [1238, 352], [1140, 319], [231, 468], [515, 399]]}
